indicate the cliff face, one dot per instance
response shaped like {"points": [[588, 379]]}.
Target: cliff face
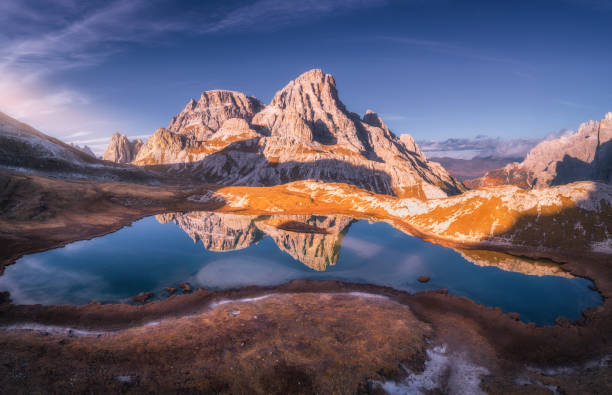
{"points": [[584, 156], [304, 133], [203, 118], [121, 150]]}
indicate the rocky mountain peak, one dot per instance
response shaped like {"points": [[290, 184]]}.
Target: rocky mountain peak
{"points": [[305, 132], [121, 150], [203, 118], [584, 155], [310, 105]]}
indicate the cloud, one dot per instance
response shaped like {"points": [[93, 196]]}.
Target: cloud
{"points": [[40, 40], [572, 104], [480, 146], [455, 50], [483, 146], [273, 14]]}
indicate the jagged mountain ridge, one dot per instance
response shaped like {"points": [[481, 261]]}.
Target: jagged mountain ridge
{"points": [[121, 150], [583, 156], [304, 133]]}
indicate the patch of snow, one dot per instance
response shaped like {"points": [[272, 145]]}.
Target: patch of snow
{"points": [[463, 376], [604, 246], [51, 329]]}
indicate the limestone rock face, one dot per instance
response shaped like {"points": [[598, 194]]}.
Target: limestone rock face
{"points": [[583, 156], [304, 133], [121, 150], [203, 118]]}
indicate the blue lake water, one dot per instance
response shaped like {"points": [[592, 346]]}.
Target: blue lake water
{"points": [[150, 255]]}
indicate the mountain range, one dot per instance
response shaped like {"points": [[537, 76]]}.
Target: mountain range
{"points": [[305, 132]]}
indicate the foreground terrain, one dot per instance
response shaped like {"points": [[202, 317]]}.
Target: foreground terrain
{"points": [[488, 349]]}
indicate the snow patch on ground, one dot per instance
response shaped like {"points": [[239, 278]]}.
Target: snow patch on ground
{"points": [[444, 371], [602, 246], [53, 329]]}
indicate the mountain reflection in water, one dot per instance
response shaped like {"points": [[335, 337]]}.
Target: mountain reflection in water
{"points": [[220, 251]]}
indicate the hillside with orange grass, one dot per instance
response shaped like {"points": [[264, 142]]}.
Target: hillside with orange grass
{"points": [[505, 218]]}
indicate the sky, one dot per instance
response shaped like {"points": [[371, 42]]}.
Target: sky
{"points": [[437, 69]]}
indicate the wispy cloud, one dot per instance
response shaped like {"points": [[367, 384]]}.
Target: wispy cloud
{"points": [[274, 14], [38, 41], [481, 146], [452, 49], [572, 104], [487, 147]]}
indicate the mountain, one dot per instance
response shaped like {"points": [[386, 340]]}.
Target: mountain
{"points": [[23, 148], [203, 118], [305, 132], [584, 155], [121, 150]]}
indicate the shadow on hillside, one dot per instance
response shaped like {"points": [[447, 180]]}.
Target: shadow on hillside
{"points": [[241, 163], [571, 169], [569, 233]]}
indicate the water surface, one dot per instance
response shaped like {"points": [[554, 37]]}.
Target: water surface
{"points": [[219, 251]]}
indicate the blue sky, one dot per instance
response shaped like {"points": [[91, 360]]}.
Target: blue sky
{"points": [[435, 69]]}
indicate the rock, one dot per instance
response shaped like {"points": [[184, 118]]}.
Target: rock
{"points": [[142, 297], [170, 290], [563, 322], [514, 316], [443, 291], [121, 150], [423, 279], [186, 287]]}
